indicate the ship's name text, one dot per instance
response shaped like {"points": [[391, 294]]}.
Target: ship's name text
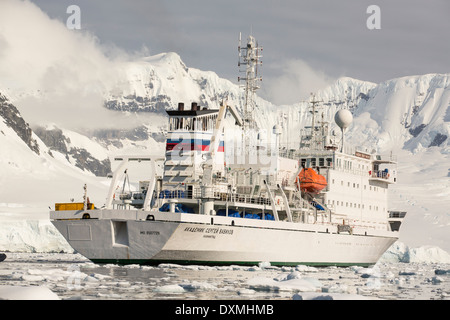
{"points": [[209, 230], [151, 233]]}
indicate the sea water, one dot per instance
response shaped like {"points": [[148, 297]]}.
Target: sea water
{"points": [[71, 276]]}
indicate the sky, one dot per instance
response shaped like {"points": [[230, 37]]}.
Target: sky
{"points": [[307, 44], [331, 36]]}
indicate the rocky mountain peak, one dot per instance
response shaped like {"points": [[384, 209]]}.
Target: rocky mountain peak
{"points": [[13, 119]]}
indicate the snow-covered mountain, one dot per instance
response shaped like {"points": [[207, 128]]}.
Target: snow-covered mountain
{"points": [[409, 116], [160, 82], [409, 112]]}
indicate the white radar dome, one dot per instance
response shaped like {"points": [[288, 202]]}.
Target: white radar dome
{"points": [[343, 118]]}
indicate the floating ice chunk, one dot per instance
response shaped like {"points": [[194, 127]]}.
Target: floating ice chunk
{"points": [[170, 288], [32, 278], [109, 295], [89, 265], [262, 284], [294, 284], [194, 268], [264, 264], [90, 279], [197, 286], [399, 252], [52, 275], [371, 272], [436, 280], [287, 269], [169, 266], [290, 276], [336, 288], [224, 268], [147, 267], [254, 268], [429, 254], [329, 296], [294, 275], [303, 268], [246, 292], [27, 293], [313, 281], [100, 277], [441, 271], [238, 268]]}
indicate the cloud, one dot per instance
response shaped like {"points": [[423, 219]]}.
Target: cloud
{"points": [[295, 83], [67, 71]]}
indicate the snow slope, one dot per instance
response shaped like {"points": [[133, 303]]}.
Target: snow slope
{"points": [[32, 181]]}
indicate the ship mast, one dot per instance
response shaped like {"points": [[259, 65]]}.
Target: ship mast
{"points": [[249, 58], [316, 139]]}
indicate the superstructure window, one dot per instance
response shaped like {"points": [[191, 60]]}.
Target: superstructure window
{"points": [[303, 163], [329, 162]]}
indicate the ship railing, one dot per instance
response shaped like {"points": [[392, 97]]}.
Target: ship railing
{"points": [[380, 174], [242, 198], [132, 196], [217, 195], [386, 158]]}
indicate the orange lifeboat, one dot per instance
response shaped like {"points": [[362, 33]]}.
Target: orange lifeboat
{"points": [[310, 181]]}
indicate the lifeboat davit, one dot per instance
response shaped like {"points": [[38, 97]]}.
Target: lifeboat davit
{"points": [[311, 181]]}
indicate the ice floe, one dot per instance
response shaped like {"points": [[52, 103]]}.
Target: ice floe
{"points": [[70, 276]]}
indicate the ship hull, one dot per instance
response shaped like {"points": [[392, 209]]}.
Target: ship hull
{"points": [[185, 239]]}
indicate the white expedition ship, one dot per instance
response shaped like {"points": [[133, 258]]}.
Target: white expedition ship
{"points": [[323, 203]]}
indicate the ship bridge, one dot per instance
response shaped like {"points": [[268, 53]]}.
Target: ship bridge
{"points": [[188, 142]]}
